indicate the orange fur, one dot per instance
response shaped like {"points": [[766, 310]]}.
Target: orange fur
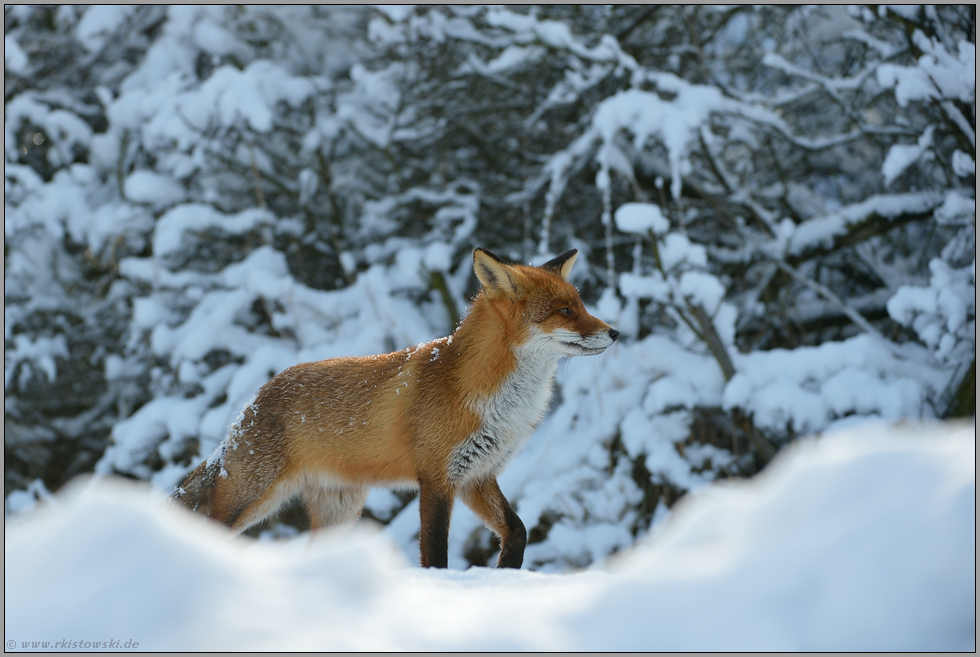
{"points": [[443, 416]]}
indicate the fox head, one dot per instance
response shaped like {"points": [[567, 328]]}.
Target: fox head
{"points": [[540, 306]]}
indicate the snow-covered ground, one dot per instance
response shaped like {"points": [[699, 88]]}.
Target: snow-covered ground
{"points": [[864, 539]]}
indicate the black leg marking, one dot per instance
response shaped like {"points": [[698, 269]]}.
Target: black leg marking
{"points": [[512, 550], [435, 509]]}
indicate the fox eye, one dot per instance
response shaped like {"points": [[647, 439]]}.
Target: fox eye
{"points": [[565, 311]]}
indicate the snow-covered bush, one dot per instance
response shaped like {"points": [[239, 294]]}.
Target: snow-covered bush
{"points": [[776, 206]]}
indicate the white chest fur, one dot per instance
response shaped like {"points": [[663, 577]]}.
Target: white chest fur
{"points": [[510, 414]]}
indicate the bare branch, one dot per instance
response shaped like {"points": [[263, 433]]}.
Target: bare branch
{"points": [[712, 339], [259, 199], [836, 301]]}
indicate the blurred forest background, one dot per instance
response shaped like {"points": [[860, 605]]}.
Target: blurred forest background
{"points": [[775, 205]]}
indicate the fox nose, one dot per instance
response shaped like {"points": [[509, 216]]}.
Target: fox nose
{"points": [[613, 333]]}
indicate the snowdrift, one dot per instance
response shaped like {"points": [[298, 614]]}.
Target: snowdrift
{"points": [[860, 540]]}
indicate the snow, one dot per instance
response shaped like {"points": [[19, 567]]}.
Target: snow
{"points": [[171, 115], [251, 95], [19, 501], [557, 35], [640, 219], [647, 115], [963, 164], [14, 58], [210, 37], [676, 249], [172, 226], [702, 288], [99, 22], [676, 123], [655, 437], [956, 209], [821, 231], [644, 287], [153, 189], [395, 12], [40, 352], [908, 12], [938, 73], [940, 312], [510, 58], [831, 548], [369, 107], [900, 157], [810, 386], [62, 129]]}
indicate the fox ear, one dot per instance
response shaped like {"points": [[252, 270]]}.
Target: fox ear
{"points": [[496, 275], [562, 265]]}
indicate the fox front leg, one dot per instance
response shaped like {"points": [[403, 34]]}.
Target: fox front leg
{"points": [[488, 502], [435, 510]]}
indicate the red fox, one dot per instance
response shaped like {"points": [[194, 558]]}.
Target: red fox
{"points": [[443, 417]]}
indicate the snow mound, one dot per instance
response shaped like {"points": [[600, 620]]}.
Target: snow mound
{"points": [[860, 540]]}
